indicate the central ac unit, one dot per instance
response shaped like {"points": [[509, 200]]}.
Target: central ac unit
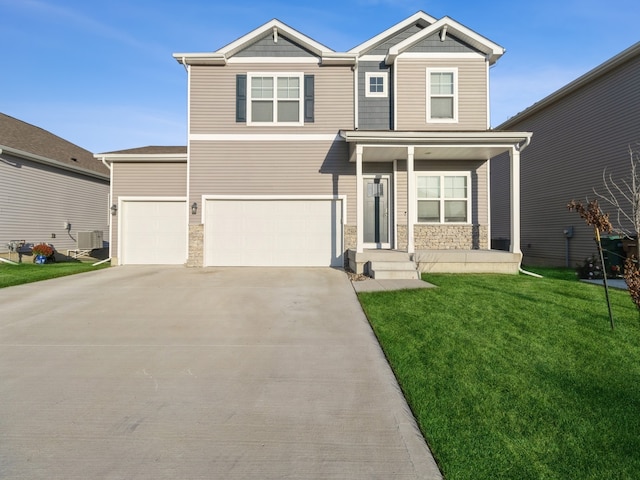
{"points": [[90, 240]]}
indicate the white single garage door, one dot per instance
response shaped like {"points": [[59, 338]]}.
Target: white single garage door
{"points": [[153, 232], [274, 232]]}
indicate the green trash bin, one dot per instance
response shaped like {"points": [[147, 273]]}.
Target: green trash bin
{"points": [[614, 255]]}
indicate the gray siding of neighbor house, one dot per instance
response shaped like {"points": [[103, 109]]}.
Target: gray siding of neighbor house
{"points": [[213, 98], [574, 139], [411, 94], [374, 113], [272, 168], [37, 200], [146, 179], [266, 47]]}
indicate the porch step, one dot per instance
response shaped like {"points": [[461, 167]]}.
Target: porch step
{"points": [[387, 270]]}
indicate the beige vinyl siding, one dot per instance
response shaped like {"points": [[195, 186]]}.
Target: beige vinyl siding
{"points": [[37, 200], [479, 194], [412, 94], [272, 168], [574, 140], [213, 98], [145, 179]]}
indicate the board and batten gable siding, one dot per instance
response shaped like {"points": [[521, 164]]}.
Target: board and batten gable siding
{"points": [[37, 200], [272, 168], [575, 139], [411, 94], [213, 98], [383, 48], [374, 113], [145, 179], [479, 178], [266, 47], [433, 44]]}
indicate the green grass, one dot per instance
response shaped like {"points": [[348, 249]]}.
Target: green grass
{"points": [[28, 272], [514, 377]]}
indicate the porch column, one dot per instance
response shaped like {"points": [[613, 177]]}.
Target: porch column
{"points": [[359, 201], [514, 155], [411, 199]]}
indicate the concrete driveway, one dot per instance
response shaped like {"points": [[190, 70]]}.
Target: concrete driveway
{"points": [[178, 373]]}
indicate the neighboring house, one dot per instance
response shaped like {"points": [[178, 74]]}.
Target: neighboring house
{"points": [[50, 189], [299, 155], [580, 130]]}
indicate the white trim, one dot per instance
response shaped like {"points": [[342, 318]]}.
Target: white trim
{"points": [[394, 100], [456, 94], [488, 97], [144, 157], [128, 198], [395, 204], [442, 199], [265, 137], [412, 203], [488, 164], [385, 84], [514, 160], [342, 198], [274, 60], [359, 204], [492, 50], [266, 29], [275, 100], [356, 102]]}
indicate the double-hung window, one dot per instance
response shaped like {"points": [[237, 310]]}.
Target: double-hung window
{"points": [[443, 198], [376, 84], [275, 99], [442, 95]]}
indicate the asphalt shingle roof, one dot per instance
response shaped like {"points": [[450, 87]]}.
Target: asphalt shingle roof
{"points": [[28, 138]]}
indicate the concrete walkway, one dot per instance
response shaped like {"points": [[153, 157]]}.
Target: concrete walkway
{"points": [[177, 373]]}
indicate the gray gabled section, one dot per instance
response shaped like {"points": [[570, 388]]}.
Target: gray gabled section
{"points": [[281, 46], [383, 48], [374, 113], [450, 44]]}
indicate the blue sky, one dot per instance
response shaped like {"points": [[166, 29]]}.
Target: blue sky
{"points": [[101, 74]]}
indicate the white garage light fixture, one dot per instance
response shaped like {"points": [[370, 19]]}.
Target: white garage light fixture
{"points": [[114, 209], [194, 208]]}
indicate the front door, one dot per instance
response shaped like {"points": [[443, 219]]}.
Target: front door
{"points": [[376, 211]]}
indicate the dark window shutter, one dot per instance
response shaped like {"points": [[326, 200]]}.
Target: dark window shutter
{"points": [[309, 85], [241, 98]]}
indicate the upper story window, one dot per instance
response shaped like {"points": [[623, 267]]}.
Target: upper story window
{"points": [[442, 95], [275, 99], [376, 84], [443, 198]]}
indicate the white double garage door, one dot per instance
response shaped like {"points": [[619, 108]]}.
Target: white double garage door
{"points": [[265, 231]]}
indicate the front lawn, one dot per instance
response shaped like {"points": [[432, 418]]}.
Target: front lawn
{"points": [[514, 377], [29, 272]]}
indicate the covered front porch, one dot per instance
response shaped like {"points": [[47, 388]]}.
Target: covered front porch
{"points": [[400, 219]]}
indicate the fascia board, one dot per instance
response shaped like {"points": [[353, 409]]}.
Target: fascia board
{"points": [[54, 163], [201, 58], [237, 45], [452, 138], [363, 47], [486, 46], [337, 58], [141, 157]]}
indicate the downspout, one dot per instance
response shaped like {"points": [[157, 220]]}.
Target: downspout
{"points": [[106, 164], [521, 147]]}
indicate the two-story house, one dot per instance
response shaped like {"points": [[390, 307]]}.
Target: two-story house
{"points": [[299, 155]]}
